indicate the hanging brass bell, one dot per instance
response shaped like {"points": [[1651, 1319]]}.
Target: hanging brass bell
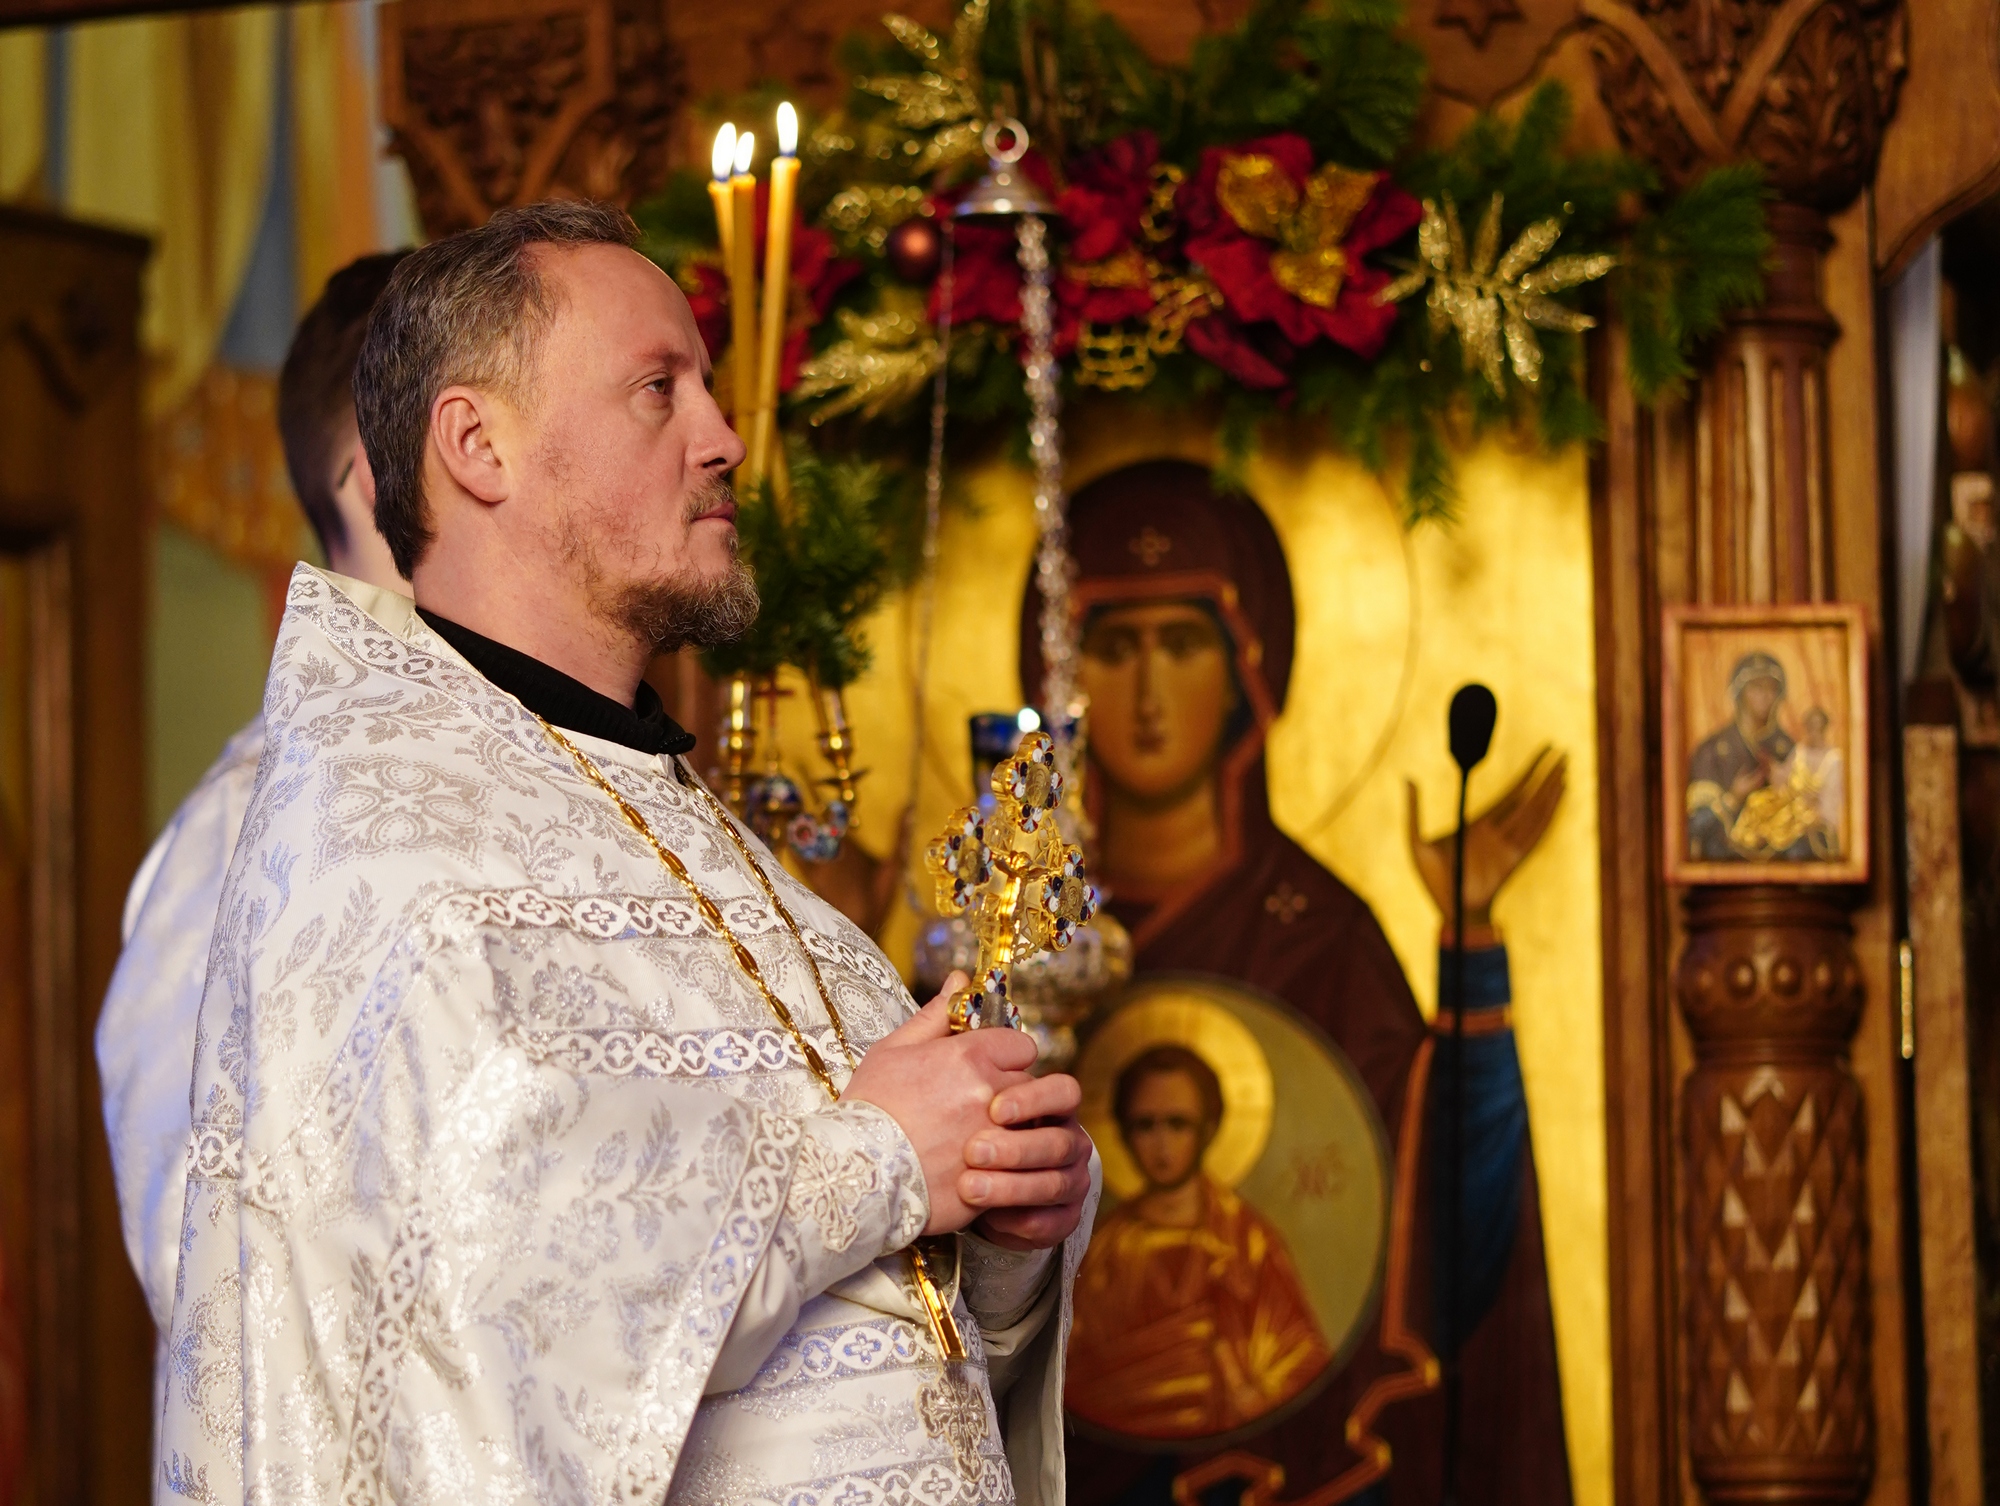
{"points": [[1004, 192]]}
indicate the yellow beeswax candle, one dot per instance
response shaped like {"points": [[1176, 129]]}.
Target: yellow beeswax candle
{"points": [[777, 281], [720, 161], [743, 285]]}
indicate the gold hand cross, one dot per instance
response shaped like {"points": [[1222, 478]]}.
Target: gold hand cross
{"points": [[1024, 886]]}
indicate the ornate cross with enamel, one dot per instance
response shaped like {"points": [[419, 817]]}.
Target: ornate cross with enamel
{"points": [[1022, 885]]}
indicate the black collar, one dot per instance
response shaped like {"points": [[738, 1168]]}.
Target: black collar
{"points": [[565, 702]]}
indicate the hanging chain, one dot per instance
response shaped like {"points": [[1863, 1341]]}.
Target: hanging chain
{"points": [[1053, 568], [712, 913]]}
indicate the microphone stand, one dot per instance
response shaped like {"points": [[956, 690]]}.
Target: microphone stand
{"points": [[1455, 1156], [1473, 713]]}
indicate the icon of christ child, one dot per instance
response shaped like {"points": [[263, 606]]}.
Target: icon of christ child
{"points": [[1190, 1319], [1188, 626]]}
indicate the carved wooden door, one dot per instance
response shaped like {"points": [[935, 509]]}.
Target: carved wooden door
{"points": [[75, 1339]]}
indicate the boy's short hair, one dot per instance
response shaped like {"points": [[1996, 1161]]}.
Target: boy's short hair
{"points": [[316, 387]]}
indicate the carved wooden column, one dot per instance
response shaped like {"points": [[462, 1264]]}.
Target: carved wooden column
{"points": [[1774, 1250], [1760, 521], [1772, 1131]]}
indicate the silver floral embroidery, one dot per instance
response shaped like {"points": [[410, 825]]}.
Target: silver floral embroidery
{"points": [[827, 1190], [381, 804]]}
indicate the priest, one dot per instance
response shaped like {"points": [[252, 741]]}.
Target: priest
{"points": [[550, 1142]]}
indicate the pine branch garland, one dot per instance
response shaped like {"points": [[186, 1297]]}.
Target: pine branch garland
{"points": [[1334, 75]]}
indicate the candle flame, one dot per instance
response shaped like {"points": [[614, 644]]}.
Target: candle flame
{"points": [[725, 150], [788, 129], [746, 146]]}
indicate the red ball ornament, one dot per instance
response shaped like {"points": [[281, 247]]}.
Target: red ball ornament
{"points": [[915, 249]]}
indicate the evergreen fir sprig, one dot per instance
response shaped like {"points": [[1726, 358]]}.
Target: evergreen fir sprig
{"points": [[1339, 74], [1700, 256], [677, 224], [824, 556]]}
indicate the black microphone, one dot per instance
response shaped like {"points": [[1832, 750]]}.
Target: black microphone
{"points": [[1473, 713]]}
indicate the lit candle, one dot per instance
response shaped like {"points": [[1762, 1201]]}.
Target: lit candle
{"points": [[743, 285], [720, 161], [777, 278]]}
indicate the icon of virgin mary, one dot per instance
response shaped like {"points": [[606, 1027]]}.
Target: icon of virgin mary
{"points": [[1187, 640]]}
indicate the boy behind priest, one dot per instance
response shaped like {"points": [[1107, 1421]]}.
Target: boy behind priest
{"points": [[146, 1031]]}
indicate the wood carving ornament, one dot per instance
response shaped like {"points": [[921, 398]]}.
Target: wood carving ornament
{"points": [[1805, 86], [502, 102]]}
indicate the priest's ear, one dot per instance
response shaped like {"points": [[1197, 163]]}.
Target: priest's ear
{"points": [[466, 429]]}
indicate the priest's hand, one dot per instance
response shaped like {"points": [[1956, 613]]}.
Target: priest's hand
{"points": [[1042, 1132], [946, 1091]]}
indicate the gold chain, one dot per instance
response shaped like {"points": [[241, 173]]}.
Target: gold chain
{"points": [[712, 913], [944, 1324]]}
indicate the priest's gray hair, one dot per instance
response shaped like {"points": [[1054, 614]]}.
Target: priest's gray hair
{"points": [[465, 310]]}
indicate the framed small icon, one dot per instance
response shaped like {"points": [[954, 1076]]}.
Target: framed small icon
{"points": [[1765, 732]]}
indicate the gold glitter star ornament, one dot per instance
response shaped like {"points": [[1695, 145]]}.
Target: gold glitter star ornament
{"points": [[1010, 872], [1495, 302]]}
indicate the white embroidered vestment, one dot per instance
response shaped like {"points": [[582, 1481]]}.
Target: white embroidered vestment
{"points": [[505, 1185], [145, 1032]]}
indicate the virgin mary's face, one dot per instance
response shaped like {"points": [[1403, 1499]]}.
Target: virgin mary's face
{"points": [[1759, 696], [1161, 693]]}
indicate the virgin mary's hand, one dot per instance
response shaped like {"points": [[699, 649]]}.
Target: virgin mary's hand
{"points": [[1497, 840]]}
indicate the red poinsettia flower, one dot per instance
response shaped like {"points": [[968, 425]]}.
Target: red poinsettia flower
{"points": [[818, 275], [1104, 278], [817, 271], [1224, 342], [1108, 193], [1077, 302], [985, 277], [1284, 240]]}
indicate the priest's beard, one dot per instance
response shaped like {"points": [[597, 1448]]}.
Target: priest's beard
{"points": [[675, 611]]}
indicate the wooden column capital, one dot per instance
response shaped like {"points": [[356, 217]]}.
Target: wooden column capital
{"points": [[1805, 88]]}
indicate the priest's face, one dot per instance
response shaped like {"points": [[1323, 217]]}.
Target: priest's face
{"points": [[631, 452], [1161, 693], [1166, 1128]]}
